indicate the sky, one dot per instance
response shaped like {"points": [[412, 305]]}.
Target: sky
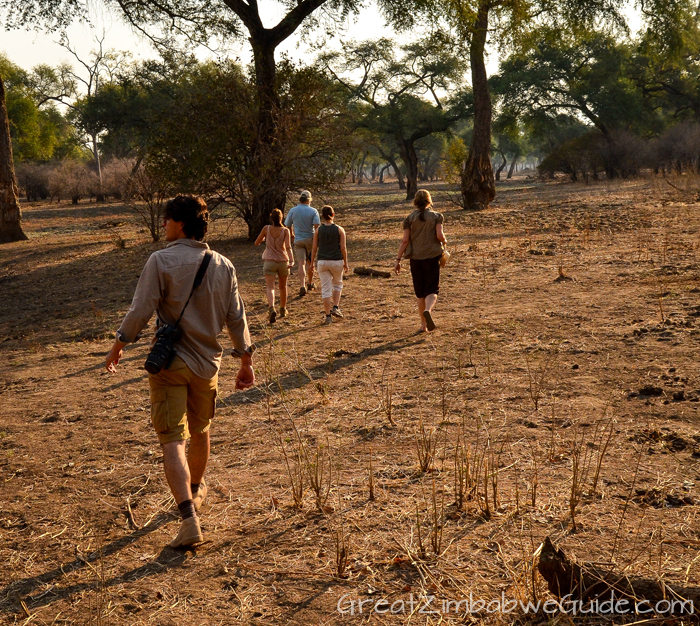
{"points": [[29, 48]]}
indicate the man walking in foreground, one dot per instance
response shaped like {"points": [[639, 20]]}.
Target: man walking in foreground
{"points": [[183, 392], [303, 219]]}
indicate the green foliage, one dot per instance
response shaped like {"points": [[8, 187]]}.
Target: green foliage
{"points": [[194, 125], [666, 64], [455, 157], [39, 133], [398, 100], [618, 154], [584, 74]]}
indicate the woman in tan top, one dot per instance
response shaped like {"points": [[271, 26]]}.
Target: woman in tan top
{"points": [[423, 243], [278, 258]]}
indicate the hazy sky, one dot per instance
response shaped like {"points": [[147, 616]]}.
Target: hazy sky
{"points": [[29, 48]]}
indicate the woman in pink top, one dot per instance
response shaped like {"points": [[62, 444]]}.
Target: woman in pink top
{"points": [[278, 258]]}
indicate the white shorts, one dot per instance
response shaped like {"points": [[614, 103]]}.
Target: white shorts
{"points": [[331, 275]]}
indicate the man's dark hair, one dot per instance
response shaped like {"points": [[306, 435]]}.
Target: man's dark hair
{"points": [[192, 212]]}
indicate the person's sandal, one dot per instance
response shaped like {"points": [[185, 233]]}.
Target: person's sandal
{"points": [[283, 311], [273, 315], [429, 320], [302, 291]]}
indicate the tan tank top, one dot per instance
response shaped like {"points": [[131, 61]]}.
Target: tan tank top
{"points": [[274, 245]]}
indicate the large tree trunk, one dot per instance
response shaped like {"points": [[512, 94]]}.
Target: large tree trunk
{"points": [[478, 184], [268, 188], [10, 213], [410, 160]]}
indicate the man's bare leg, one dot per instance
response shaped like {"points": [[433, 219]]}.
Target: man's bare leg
{"points": [[178, 475], [177, 470], [310, 272], [302, 274], [198, 456]]}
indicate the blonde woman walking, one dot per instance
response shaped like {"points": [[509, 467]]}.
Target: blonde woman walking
{"points": [[278, 259], [423, 243], [330, 249]]}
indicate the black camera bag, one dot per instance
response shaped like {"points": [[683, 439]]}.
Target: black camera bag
{"points": [[163, 351]]}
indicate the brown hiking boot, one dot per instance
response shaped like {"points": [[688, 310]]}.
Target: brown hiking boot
{"points": [[190, 533], [200, 496]]}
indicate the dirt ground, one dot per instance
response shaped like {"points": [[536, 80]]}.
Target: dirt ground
{"points": [[564, 366]]}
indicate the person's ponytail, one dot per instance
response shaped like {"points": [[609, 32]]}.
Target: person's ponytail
{"points": [[422, 201]]}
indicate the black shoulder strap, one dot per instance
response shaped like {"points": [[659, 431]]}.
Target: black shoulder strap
{"points": [[197, 280], [202, 269]]}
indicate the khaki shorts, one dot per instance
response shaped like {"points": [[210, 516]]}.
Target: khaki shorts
{"points": [[274, 268], [181, 402], [303, 248]]}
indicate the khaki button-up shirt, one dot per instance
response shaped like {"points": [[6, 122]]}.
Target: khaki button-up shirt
{"points": [[165, 285]]}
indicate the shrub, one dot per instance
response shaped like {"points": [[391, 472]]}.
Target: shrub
{"points": [[33, 180], [116, 178], [72, 179], [618, 154], [678, 148]]}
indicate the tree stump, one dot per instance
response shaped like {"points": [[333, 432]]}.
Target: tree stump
{"points": [[572, 581], [368, 271]]}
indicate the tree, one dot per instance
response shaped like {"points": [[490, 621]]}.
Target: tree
{"points": [[585, 74], [395, 90], [39, 132], [200, 21], [505, 22], [666, 62], [141, 116], [10, 213]]}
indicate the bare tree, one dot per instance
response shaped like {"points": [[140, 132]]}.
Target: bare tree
{"points": [[63, 85], [10, 213]]}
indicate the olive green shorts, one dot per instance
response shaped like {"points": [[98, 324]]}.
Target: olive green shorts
{"points": [[274, 268], [181, 402]]}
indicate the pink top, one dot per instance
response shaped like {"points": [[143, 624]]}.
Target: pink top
{"points": [[274, 244]]}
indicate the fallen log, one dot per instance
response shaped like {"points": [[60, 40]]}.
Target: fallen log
{"points": [[368, 271], [583, 582]]}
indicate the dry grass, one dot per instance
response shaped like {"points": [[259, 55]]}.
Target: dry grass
{"points": [[370, 461]]}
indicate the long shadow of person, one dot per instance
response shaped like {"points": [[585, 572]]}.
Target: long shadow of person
{"points": [[25, 590]]}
